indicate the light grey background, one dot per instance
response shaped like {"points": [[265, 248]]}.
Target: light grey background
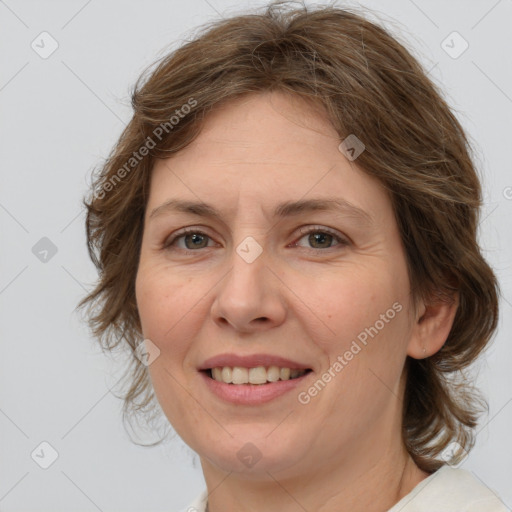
{"points": [[59, 117]]}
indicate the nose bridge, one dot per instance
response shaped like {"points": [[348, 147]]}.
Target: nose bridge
{"points": [[249, 238], [246, 281], [249, 291]]}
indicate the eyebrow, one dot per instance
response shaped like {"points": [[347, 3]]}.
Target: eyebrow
{"points": [[282, 210]]}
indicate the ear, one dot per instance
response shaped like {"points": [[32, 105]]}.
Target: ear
{"points": [[432, 325]]}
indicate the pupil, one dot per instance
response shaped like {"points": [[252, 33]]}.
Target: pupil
{"points": [[196, 238], [318, 237]]}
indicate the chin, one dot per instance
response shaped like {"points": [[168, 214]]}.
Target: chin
{"points": [[253, 454]]}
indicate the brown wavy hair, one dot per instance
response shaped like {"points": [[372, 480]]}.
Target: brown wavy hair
{"points": [[370, 85]]}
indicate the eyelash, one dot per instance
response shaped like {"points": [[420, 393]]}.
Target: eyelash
{"points": [[342, 242]]}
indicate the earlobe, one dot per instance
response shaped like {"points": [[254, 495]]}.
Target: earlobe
{"points": [[432, 326]]}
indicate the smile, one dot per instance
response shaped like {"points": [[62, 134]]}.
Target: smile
{"points": [[249, 388], [259, 375]]}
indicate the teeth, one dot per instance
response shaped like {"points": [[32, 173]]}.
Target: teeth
{"points": [[273, 374], [258, 375], [226, 375], [240, 375]]}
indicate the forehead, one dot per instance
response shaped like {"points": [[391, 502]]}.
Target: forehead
{"points": [[266, 149], [262, 126]]}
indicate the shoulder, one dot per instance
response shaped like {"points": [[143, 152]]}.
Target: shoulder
{"points": [[199, 504], [451, 490]]}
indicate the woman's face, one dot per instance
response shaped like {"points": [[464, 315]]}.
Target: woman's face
{"points": [[270, 280]]}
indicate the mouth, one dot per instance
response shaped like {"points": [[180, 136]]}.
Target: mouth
{"points": [[252, 379], [259, 375]]}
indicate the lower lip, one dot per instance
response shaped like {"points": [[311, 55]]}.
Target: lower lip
{"points": [[251, 394]]}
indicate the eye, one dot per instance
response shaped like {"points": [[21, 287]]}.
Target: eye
{"points": [[192, 238], [318, 236], [322, 238]]}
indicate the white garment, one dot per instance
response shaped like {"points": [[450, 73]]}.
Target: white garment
{"points": [[447, 490]]}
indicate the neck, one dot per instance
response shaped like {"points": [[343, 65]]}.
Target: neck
{"points": [[345, 488]]}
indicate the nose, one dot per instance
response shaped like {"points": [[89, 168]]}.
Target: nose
{"points": [[249, 298]]}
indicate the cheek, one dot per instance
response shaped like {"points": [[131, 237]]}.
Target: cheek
{"points": [[367, 316], [162, 299], [167, 307], [357, 305], [366, 353]]}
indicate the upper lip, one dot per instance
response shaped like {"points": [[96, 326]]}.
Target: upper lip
{"points": [[251, 361]]}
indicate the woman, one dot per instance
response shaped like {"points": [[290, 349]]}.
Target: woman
{"points": [[286, 239]]}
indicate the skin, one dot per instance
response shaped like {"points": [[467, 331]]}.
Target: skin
{"points": [[302, 299]]}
